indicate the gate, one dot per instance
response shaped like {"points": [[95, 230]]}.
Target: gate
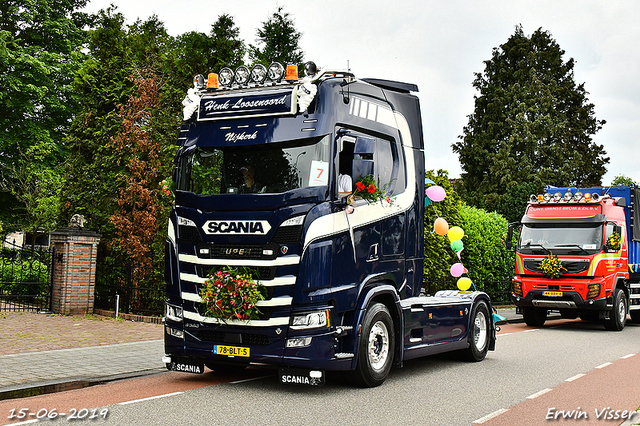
{"points": [[25, 279]]}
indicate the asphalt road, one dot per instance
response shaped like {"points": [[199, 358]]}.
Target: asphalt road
{"points": [[525, 377]]}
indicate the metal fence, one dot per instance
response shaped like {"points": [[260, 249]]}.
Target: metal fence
{"points": [[498, 290], [25, 279], [130, 287]]}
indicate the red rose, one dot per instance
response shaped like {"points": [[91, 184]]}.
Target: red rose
{"points": [[371, 188], [360, 186]]}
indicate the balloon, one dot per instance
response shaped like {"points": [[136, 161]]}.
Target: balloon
{"points": [[436, 193], [456, 233], [457, 246], [464, 283], [441, 226], [457, 269]]}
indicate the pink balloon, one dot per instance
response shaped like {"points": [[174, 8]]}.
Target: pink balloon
{"points": [[457, 269], [436, 193]]}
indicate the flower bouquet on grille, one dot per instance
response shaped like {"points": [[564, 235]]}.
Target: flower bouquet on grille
{"points": [[232, 294], [551, 266], [367, 188]]}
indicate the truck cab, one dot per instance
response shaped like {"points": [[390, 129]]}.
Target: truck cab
{"points": [[257, 188], [575, 254]]}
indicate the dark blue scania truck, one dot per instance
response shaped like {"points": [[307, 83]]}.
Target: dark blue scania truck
{"points": [[256, 186]]}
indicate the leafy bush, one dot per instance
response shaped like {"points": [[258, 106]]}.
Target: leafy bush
{"points": [[23, 277]]}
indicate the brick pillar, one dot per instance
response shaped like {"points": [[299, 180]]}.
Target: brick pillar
{"points": [[74, 270]]}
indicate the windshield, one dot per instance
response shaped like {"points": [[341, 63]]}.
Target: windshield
{"points": [[580, 237], [255, 169]]}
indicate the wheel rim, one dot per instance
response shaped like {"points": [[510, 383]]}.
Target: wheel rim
{"points": [[480, 332], [622, 311], [378, 349]]}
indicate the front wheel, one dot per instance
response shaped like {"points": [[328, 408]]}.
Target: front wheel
{"points": [[534, 317], [479, 333], [376, 347], [618, 315]]}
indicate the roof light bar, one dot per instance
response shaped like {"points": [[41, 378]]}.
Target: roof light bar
{"points": [[242, 75], [225, 77], [258, 73]]}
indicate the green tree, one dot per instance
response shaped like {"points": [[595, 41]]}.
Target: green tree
{"points": [[41, 44], [277, 40], [622, 180], [532, 125]]}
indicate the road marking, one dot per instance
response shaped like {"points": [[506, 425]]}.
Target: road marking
{"points": [[577, 376], [627, 356], [26, 422], [503, 334], [533, 329], [537, 394], [249, 380], [604, 365], [491, 416], [150, 398]]}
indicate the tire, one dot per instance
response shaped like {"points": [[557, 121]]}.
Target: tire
{"points": [[618, 316], [534, 317], [635, 317], [479, 333], [375, 349]]}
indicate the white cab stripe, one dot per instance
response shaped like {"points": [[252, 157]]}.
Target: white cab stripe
{"points": [[278, 281], [279, 321], [279, 261]]}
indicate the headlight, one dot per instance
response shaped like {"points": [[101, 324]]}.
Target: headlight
{"points": [[594, 291], [173, 312], [185, 222], [294, 221], [317, 319], [517, 288], [174, 332]]}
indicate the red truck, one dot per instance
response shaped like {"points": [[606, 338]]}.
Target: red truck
{"points": [[577, 253]]}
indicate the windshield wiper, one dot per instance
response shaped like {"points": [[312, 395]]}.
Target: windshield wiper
{"points": [[532, 246], [573, 245]]}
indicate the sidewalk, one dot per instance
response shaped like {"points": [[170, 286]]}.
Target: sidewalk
{"points": [[42, 353]]}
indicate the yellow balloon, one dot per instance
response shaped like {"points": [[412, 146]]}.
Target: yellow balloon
{"points": [[455, 234], [441, 226], [464, 284]]}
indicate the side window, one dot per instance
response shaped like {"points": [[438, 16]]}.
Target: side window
{"points": [[384, 161]]}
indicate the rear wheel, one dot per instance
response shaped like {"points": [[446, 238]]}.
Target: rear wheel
{"points": [[534, 317], [618, 315], [479, 333], [376, 347]]}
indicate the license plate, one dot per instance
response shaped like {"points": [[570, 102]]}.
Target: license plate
{"points": [[295, 376], [186, 367], [552, 293], [231, 351]]}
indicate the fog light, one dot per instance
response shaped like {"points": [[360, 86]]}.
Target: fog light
{"points": [[298, 342]]}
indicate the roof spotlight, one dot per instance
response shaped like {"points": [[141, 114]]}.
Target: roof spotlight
{"points": [[547, 197], [595, 196], [568, 196], [577, 196], [557, 197], [198, 81], [242, 75], [275, 72], [258, 73], [533, 198], [310, 69], [225, 76]]}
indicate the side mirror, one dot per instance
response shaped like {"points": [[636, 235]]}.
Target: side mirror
{"points": [[509, 244]]}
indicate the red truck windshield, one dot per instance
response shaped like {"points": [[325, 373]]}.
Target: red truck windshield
{"points": [[561, 237]]}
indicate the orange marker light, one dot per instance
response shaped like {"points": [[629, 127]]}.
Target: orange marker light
{"points": [[540, 198], [292, 73], [587, 197], [212, 81]]}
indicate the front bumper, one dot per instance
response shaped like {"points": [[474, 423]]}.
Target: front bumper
{"points": [[568, 300]]}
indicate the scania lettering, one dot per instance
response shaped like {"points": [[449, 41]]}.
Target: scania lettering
{"points": [[343, 279], [578, 253]]}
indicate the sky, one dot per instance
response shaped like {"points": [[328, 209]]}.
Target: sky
{"points": [[439, 45]]}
